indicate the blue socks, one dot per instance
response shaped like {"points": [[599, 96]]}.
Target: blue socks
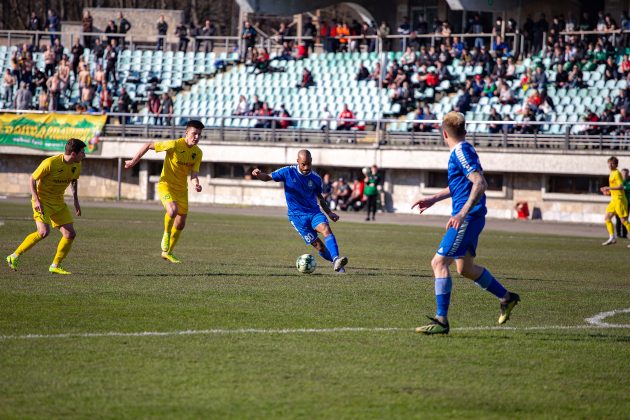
{"points": [[326, 255], [331, 246], [488, 282], [443, 287]]}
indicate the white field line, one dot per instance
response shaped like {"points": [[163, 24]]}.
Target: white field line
{"points": [[595, 322]]}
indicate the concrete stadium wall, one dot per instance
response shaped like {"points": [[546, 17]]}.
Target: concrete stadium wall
{"points": [[406, 175]]}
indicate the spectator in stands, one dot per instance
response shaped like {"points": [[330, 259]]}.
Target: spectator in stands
{"points": [[309, 32], [111, 29], [99, 77], [325, 37], [408, 58], [166, 109], [265, 111], [98, 50], [611, 72], [111, 57], [495, 116], [287, 52], [418, 117], [622, 101], [546, 103], [624, 67], [123, 105], [87, 24], [63, 70], [8, 81], [326, 119], [154, 106], [489, 87], [463, 103], [383, 32], [357, 199], [42, 101], [87, 95], [575, 77], [181, 31], [285, 118], [105, 99], [243, 107], [248, 37], [39, 80], [539, 79], [207, 45], [307, 79], [540, 28], [341, 194], [345, 119], [53, 86], [476, 27], [123, 27], [35, 24], [562, 77], [327, 188], [162, 29], [262, 63], [343, 32], [53, 24], [256, 105], [77, 53], [363, 73], [302, 51], [58, 50], [376, 73], [368, 31]]}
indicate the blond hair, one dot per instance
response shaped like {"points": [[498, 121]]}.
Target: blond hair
{"points": [[454, 123]]}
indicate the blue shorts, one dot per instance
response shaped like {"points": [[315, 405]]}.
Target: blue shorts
{"points": [[305, 224], [456, 243]]}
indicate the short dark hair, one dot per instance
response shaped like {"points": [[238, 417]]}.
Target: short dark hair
{"points": [[74, 145], [614, 160], [195, 124]]}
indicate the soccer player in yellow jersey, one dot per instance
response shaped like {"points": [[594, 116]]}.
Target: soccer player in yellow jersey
{"points": [[48, 183], [183, 157], [618, 201]]}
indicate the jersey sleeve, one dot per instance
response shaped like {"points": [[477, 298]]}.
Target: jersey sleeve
{"points": [[280, 175], [467, 159], [197, 163], [42, 170], [164, 146]]}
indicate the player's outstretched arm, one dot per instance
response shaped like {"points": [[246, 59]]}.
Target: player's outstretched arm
{"points": [[324, 205], [257, 173], [74, 186], [426, 202], [145, 148]]}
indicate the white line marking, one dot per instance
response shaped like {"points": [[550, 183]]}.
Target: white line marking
{"points": [[293, 331], [598, 319]]}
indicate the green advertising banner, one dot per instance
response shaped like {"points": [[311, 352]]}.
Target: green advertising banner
{"points": [[50, 131]]}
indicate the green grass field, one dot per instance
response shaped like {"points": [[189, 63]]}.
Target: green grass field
{"points": [[260, 342]]}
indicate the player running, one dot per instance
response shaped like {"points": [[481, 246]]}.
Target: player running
{"points": [[466, 187], [183, 157], [48, 184], [303, 190], [618, 201]]}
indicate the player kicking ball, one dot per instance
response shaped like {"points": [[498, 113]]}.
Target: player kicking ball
{"points": [[466, 187], [48, 183], [183, 157], [303, 191]]}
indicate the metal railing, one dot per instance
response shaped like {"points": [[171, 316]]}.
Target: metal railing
{"points": [[373, 133]]}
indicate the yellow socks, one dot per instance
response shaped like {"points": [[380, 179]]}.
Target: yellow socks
{"points": [[62, 250], [610, 228], [174, 238], [28, 243], [168, 223]]}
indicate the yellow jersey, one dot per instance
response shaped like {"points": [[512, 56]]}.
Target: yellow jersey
{"points": [[53, 176], [616, 180], [179, 162]]}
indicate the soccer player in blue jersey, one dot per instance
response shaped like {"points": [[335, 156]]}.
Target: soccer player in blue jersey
{"points": [[303, 192], [466, 188]]}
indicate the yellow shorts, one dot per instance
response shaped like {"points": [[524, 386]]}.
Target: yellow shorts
{"points": [[619, 207], [55, 214], [180, 197]]}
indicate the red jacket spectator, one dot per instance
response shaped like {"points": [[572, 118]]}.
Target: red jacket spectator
{"points": [[344, 115]]}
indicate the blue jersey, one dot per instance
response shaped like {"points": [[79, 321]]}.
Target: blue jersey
{"points": [[300, 190], [463, 162]]}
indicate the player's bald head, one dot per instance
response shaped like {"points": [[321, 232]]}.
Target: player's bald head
{"points": [[304, 155]]}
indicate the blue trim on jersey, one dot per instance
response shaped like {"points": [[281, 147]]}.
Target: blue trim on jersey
{"points": [[300, 190], [462, 162], [456, 243], [305, 225]]}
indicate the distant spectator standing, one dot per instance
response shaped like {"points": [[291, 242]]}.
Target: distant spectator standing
{"points": [[111, 56], [53, 24], [35, 24], [98, 50], [154, 106], [248, 38], [77, 52], [8, 81], [111, 29], [166, 109], [309, 32], [362, 74], [162, 29], [123, 27], [207, 45], [87, 24], [372, 181], [243, 107], [383, 32], [53, 85], [182, 33], [123, 105]]}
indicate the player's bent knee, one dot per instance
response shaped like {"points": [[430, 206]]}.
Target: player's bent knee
{"points": [[43, 233]]}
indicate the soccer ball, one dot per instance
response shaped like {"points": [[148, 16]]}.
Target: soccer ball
{"points": [[306, 263], [365, 171]]}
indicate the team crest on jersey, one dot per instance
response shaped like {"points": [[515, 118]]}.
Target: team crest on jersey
{"points": [[193, 156], [310, 183], [74, 169]]}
